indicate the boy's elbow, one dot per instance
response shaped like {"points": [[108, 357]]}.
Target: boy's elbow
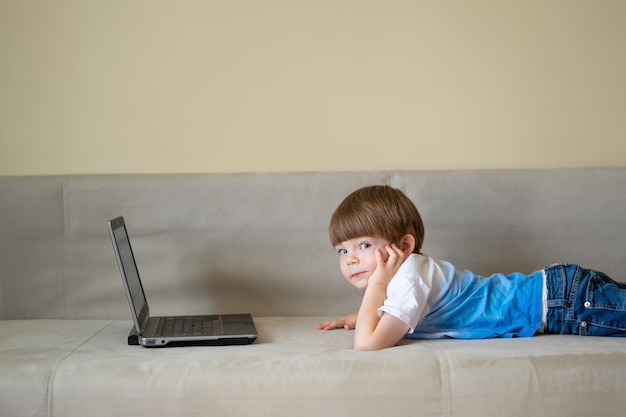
{"points": [[364, 346], [361, 347]]}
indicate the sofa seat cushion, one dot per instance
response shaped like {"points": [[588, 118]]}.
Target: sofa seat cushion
{"points": [[84, 367], [31, 352]]}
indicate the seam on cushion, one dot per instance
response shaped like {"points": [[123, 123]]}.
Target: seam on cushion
{"points": [[52, 377], [446, 379]]}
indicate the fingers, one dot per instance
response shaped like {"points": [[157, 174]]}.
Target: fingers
{"points": [[387, 268], [348, 322], [396, 250], [394, 254], [322, 326], [334, 324], [379, 256], [399, 254]]}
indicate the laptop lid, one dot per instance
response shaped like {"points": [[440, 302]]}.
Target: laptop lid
{"points": [[130, 274]]}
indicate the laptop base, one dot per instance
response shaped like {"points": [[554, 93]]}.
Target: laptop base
{"points": [[232, 341], [133, 340]]}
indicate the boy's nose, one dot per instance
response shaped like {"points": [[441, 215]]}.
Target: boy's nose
{"points": [[353, 260]]}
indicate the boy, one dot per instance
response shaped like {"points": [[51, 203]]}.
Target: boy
{"points": [[378, 234]]}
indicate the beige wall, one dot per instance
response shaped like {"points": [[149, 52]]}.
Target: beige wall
{"points": [[318, 85]]}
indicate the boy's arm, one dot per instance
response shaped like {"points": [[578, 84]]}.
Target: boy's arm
{"points": [[373, 332]]}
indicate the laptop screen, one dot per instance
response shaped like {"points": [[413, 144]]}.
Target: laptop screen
{"points": [[130, 270]]}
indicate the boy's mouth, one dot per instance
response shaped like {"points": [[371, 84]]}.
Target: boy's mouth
{"points": [[358, 275]]}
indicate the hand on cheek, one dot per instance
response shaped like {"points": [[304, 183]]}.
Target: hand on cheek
{"points": [[388, 261]]}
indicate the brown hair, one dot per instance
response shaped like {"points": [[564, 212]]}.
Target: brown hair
{"points": [[377, 211]]}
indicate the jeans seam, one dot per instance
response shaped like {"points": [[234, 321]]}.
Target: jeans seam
{"points": [[573, 293]]}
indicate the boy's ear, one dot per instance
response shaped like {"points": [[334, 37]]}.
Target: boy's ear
{"points": [[407, 243]]}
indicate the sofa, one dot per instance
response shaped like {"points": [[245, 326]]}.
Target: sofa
{"points": [[257, 243]]}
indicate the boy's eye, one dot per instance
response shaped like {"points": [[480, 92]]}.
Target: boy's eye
{"points": [[365, 245], [342, 251]]}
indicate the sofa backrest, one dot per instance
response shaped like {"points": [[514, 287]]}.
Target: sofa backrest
{"points": [[258, 242]]}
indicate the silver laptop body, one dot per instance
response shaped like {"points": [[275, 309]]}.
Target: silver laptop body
{"points": [[205, 330]]}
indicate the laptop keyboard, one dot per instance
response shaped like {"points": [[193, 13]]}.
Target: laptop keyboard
{"points": [[190, 326]]}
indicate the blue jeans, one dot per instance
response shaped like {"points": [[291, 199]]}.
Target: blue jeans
{"points": [[584, 302]]}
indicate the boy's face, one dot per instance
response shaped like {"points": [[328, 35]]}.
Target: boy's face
{"points": [[357, 258]]}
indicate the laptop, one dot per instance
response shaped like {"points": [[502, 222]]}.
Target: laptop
{"points": [[204, 330]]}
